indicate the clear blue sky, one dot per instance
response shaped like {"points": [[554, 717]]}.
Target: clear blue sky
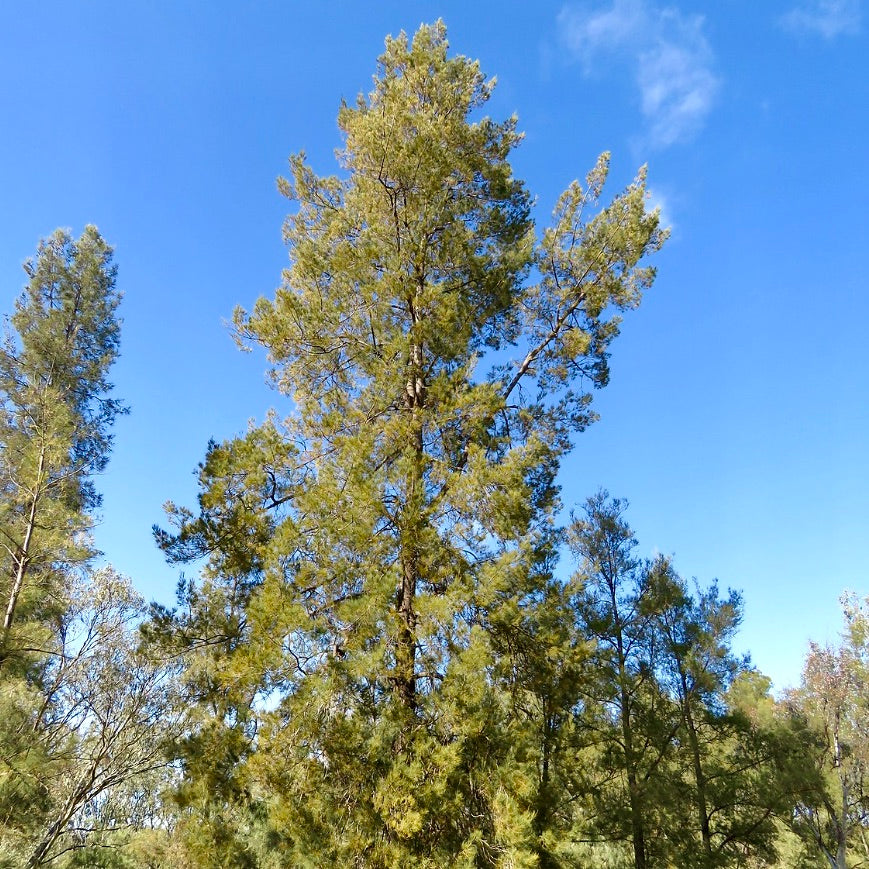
{"points": [[737, 418]]}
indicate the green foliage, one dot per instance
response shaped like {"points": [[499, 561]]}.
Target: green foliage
{"points": [[675, 766], [723, 760], [55, 419], [829, 719], [86, 755], [371, 557], [378, 667]]}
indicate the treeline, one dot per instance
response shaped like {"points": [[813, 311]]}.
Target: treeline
{"points": [[381, 663]]}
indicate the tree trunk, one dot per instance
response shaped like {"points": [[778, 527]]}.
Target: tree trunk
{"points": [[73, 801], [23, 556], [638, 834], [699, 777], [405, 654], [842, 827]]}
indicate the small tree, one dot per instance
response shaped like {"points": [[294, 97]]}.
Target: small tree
{"points": [[109, 714]]}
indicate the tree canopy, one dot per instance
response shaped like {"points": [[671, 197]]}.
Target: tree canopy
{"points": [[439, 357]]}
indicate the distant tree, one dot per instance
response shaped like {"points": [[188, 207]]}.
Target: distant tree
{"points": [[56, 414], [674, 765], [618, 603], [409, 499], [85, 751], [831, 715], [108, 715], [773, 773]]}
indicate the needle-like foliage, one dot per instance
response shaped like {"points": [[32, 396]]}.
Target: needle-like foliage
{"points": [[439, 357]]}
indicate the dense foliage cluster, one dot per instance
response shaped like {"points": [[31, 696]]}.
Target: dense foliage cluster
{"points": [[380, 665]]}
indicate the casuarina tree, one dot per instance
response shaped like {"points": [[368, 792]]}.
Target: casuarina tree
{"points": [[55, 424], [439, 355], [56, 413]]}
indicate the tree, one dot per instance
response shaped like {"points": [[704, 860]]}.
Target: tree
{"points": [[773, 773], [83, 766], [410, 497], [831, 715], [109, 714], [618, 602], [55, 419], [726, 771], [56, 414], [218, 818], [681, 773]]}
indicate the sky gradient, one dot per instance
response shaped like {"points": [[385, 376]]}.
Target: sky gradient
{"points": [[736, 421]]}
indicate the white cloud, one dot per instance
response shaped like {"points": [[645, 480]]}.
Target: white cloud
{"points": [[827, 18], [655, 198], [588, 34], [671, 57]]}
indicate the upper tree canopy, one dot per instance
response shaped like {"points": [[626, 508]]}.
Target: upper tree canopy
{"points": [[425, 245], [439, 355]]}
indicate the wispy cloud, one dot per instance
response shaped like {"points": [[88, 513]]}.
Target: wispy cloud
{"points": [[670, 55], [656, 198], [827, 18]]}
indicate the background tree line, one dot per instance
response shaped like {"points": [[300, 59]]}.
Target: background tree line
{"points": [[381, 664]]}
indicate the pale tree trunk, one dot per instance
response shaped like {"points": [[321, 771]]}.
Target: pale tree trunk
{"points": [[79, 793], [842, 829], [22, 557], [838, 860]]}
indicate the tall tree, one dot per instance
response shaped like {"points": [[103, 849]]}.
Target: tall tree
{"points": [[411, 495], [56, 413], [55, 419]]}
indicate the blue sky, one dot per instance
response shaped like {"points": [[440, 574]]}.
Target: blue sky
{"points": [[737, 417]]}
